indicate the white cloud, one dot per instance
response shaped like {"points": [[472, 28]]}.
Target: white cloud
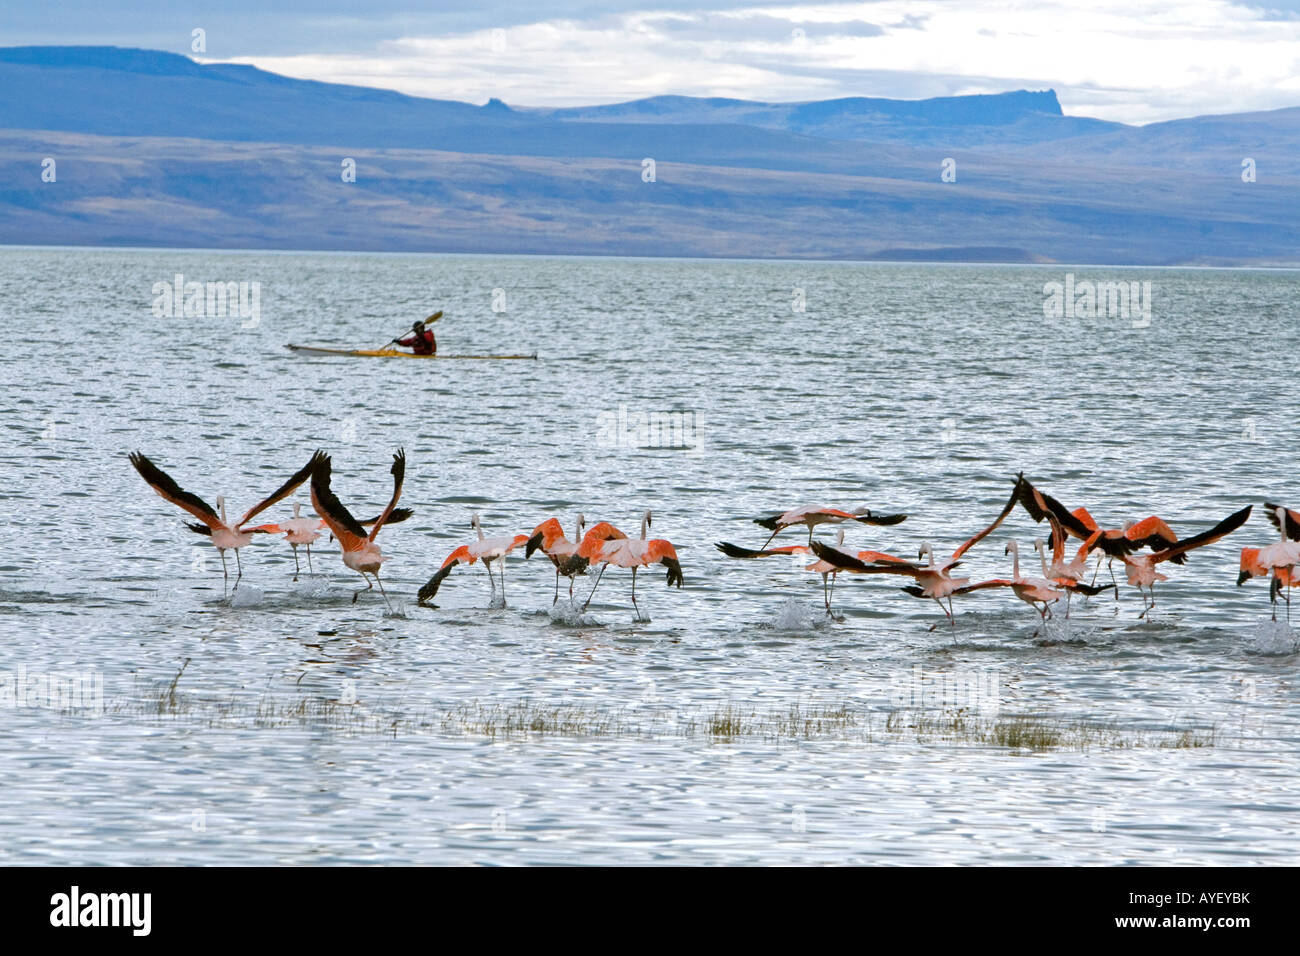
{"points": [[1134, 61]]}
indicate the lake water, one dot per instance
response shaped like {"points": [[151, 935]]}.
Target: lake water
{"points": [[304, 728]]}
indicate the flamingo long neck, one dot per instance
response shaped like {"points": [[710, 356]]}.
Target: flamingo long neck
{"points": [[929, 552], [1042, 557], [477, 526], [297, 509], [1281, 522], [645, 524], [1015, 561], [221, 508], [582, 523]]}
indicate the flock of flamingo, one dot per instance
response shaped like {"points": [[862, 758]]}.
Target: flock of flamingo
{"points": [[602, 546], [1141, 545]]}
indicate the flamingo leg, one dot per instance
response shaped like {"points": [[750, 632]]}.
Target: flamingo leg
{"points": [[225, 575], [946, 613], [383, 592], [634, 604], [501, 573], [368, 587], [296, 567], [492, 582], [239, 568], [826, 598], [310, 569], [594, 586], [556, 599], [1148, 603]]}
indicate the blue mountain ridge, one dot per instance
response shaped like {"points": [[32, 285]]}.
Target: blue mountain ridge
{"points": [[156, 149]]}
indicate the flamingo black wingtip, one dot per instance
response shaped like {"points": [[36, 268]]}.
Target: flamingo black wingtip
{"points": [[534, 543], [426, 593], [674, 572]]}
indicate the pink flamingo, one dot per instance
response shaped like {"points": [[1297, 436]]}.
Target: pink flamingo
{"points": [[225, 536], [490, 550], [301, 531], [1141, 568], [637, 553], [811, 516], [1033, 591], [360, 553], [549, 537], [1278, 559]]}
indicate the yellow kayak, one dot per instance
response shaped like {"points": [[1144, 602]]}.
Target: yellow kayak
{"points": [[392, 353]]}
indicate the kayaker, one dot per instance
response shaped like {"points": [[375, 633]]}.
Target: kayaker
{"points": [[421, 341]]}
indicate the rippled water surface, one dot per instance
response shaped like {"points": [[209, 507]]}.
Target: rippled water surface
{"points": [[306, 728]]}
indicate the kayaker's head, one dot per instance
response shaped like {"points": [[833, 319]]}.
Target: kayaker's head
{"points": [[417, 327]]}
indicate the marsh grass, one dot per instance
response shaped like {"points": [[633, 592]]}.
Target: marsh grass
{"points": [[726, 723]]}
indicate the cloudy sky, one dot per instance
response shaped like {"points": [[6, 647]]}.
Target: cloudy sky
{"points": [[1130, 60]]}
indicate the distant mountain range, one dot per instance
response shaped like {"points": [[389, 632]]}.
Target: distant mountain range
{"points": [[152, 148]]}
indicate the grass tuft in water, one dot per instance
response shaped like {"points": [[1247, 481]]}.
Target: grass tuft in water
{"points": [[724, 723]]}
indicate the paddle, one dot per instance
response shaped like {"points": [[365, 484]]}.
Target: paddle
{"points": [[429, 321]]}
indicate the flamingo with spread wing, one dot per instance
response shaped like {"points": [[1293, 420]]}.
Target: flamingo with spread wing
{"points": [[225, 536], [638, 553], [489, 550], [360, 553], [811, 516]]}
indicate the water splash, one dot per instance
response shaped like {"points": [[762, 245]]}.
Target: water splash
{"points": [[1064, 630], [570, 614], [247, 595], [796, 615], [1273, 637]]}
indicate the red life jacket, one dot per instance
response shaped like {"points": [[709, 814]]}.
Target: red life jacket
{"points": [[423, 344]]}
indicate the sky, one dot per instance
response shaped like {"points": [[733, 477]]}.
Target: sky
{"points": [[1135, 62]]}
